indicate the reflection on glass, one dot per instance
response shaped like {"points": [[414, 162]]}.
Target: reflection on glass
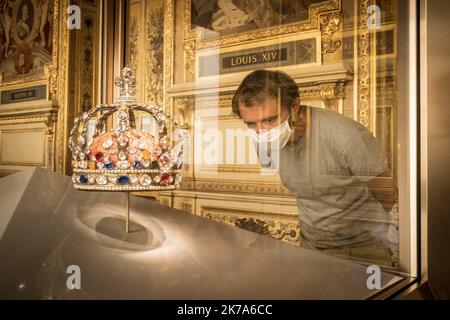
{"points": [[323, 119], [91, 130], [149, 124], [326, 161]]}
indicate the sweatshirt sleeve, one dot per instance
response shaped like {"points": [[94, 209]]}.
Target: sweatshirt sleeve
{"points": [[364, 155]]}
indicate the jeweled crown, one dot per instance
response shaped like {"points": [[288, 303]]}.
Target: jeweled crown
{"points": [[124, 158]]}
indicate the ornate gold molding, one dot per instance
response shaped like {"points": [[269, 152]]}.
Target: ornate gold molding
{"points": [[332, 95], [62, 129], [219, 117], [187, 183], [52, 75], [133, 43], [224, 186], [154, 89], [185, 205], [207, 101], [147, 42], [232, 168], [169, 25], [189, 47], [253, 221], [232, 186], [184, 112], [363, 70], [318, 92], [53, 68], [330, 24], [48, 118], [86, 62]]}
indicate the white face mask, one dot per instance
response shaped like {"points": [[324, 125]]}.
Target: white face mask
{"points": [[273, 139]]}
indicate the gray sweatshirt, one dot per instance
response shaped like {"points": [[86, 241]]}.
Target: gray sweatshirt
{"points": [[327, 172]]}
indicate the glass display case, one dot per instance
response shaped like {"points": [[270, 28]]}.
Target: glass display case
{"points": [[354, 61]]}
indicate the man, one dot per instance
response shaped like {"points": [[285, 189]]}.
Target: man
{"points": [[325, 160]]}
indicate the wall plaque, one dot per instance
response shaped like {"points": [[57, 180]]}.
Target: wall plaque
{"points": [[286, 54], [25, 94]]}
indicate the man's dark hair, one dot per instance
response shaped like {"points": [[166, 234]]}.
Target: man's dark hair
{"points": [[261, 85]]}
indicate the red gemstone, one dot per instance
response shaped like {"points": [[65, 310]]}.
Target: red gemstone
{"points": [[99, 157], [164, 179]]}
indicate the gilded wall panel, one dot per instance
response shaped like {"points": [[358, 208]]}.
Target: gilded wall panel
{"points": [[46, 69], [31, 42], [145, 45]]}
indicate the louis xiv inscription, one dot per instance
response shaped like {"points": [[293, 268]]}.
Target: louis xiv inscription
{"points": [[298, 52], [255, 58]]}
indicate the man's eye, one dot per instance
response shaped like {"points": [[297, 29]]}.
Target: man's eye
{"points": [[269, 121], [250, 124]]}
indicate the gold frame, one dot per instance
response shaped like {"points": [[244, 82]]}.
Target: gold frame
{"points": [[325, 18], [311, 24], [49, 77]]}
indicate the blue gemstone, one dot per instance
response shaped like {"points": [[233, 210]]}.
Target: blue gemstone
{"points": [[123, 180], [83, 179], [137, 164], [109, 165]]}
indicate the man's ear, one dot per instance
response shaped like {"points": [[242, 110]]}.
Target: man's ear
{"points": [[295, 109]]}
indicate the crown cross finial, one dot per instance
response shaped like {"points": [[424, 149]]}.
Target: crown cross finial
{"points": [[126, 83]]}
